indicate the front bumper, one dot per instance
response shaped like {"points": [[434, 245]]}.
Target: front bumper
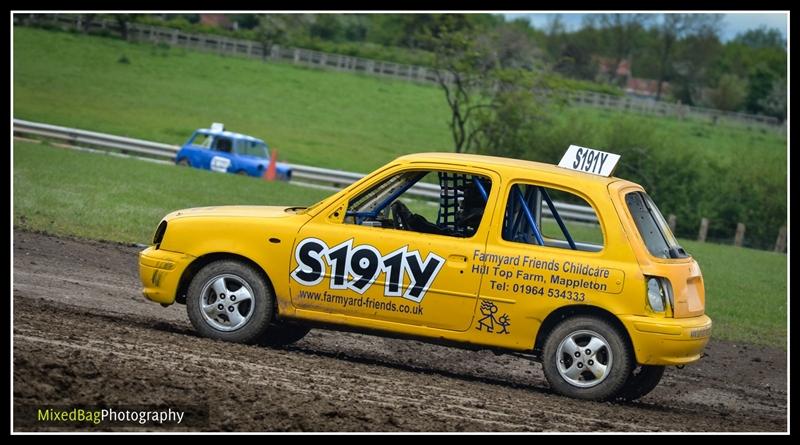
{"points": [[668, 341], [160, 272]]}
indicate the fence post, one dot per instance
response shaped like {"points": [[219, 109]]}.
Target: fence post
{"points": [[737, 240], [296, 57], [703, 230], [671, 222], [780, 244]]}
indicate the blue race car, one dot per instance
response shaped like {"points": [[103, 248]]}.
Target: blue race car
{"points": [[227, 152]]}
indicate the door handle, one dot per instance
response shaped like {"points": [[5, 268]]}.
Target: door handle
{"points": [[459, 261]]}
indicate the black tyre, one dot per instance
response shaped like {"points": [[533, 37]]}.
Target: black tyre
{"points": [[230, 300], [640, 382], [585, 357], [183, 162], [283, 334]]}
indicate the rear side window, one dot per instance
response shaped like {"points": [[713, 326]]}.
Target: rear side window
{"points": [[652, 227], [252, 148], [554, 218]]}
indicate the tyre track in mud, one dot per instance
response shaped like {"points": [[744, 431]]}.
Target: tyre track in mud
{"points": [[84, 334]]}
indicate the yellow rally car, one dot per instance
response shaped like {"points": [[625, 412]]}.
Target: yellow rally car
{"points": [[567, 264]]}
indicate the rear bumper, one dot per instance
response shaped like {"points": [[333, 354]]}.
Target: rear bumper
{"points": [[668, 341], [160, 272]]}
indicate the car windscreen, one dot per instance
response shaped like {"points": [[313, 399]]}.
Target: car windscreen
{"points": [[252, 148], [654, 229], [201, 140]]}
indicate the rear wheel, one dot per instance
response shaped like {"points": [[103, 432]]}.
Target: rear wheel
{"points": [[586, 358], [641, 381], [183, 162], [229, 300]]}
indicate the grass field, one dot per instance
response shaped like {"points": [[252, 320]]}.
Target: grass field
{"points": [[323, 118], [105, 197], [66, 192], [328, 119]]}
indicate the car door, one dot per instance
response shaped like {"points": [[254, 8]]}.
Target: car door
{"points": [[221, 156], [540, 259], [388, 274]]}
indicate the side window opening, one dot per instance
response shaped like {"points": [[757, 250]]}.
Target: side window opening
{"points": [[442, 203], [222, 144], [547, 217], [252, 148]]}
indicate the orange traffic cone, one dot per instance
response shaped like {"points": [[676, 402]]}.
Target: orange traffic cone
{"points": [[269, 175]]}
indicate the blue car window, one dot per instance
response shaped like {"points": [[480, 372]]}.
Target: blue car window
{"points": [[223, 144], [201, 140], [253, 148]]}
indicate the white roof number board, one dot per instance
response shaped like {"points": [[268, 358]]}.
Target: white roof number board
{"points": [[589, 160]]}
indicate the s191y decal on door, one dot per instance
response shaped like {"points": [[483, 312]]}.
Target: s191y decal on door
{"points": [[357, 267]]}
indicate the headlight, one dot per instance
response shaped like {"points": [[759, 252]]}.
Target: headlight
{"points": [[656, 295]]}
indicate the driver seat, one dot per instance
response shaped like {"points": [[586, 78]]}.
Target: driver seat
{"points": [[412, 221]]}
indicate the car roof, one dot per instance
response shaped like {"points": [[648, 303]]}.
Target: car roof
{"points": [[229, 134], [515, 167]]}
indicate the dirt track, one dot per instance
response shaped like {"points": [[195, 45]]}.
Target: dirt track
{"points": [[83, 334]]}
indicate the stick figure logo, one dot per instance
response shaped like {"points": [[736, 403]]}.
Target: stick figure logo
{"points": [[504, 322], [488, 310]]}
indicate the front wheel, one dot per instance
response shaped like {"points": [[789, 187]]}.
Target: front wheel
{"points": [[586, 358], [229, 300]]}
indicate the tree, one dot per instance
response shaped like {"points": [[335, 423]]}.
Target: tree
{"points": [[761, 38], [244, 21], [622, 29], [694, 58], [462, 72], [760, 80], [774, 104], [675, 27], [729, 93], [482, 74], [555, 35], [511, 126], [271, 30], [327, 27]]}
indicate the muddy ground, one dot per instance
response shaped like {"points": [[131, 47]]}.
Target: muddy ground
{"points": [[84, 335]]}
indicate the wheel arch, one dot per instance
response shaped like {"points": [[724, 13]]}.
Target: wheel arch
{"points": [[204, 260], [565, 312]]}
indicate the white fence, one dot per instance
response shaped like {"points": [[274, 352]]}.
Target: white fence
{"points": [[323, 176]]}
